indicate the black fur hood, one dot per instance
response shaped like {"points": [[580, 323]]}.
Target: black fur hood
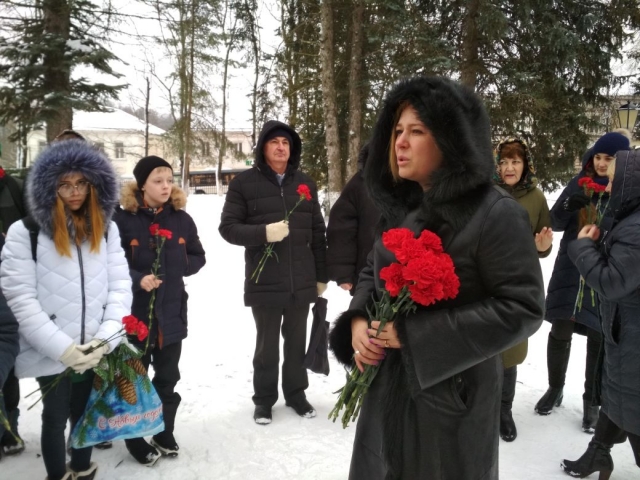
{"points": [[62, 158], [460, 125]]}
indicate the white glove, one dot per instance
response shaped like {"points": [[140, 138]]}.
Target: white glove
{"points": [[322, 287], [72, 356], [98, 350], [76, 358], [277, 231]]}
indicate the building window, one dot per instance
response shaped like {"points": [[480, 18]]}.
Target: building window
{"points": [[119, 150], [99, 146], [205, 148], [238, 147]]}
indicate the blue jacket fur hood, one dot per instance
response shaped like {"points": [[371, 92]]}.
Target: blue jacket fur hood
{"points": [[62, 158]]}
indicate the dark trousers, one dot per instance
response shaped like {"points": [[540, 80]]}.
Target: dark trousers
{"points": [[562, 330], [11, 391], [9, 401], [266, 358], [67, 400], [509, 388], [609, 433], [166, 375]]}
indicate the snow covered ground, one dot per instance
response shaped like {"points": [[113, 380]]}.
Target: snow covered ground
{"points": [[215, 429]]}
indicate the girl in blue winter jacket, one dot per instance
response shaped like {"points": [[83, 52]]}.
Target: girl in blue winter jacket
{"points": [[66, 281]]}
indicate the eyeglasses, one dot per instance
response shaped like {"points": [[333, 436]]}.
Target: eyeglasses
{"points": [[66, 189]]}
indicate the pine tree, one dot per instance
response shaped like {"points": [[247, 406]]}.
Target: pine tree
{"points": [[43, 42]]}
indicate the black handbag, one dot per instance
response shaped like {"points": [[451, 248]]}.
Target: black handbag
{"points": [[317, 357]]}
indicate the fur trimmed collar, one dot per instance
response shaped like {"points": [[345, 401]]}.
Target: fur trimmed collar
{"points": [[131, 197]]}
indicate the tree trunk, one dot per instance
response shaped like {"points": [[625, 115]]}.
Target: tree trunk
{"points": [[289, 24], [189, 106], [355, 88], [146, 118], [57, 23], [470, 61], [251, 10], [225, 78], [330, 108]]}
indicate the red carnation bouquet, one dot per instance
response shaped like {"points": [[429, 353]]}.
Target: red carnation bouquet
{"points": [[423, 274], [304, 194], [590, 215]]}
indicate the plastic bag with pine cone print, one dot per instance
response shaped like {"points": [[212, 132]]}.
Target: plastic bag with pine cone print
{"points": [[123, 402]]}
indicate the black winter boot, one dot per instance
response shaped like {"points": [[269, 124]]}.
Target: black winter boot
{"points": [[508, 431], [596, 459], [590, 412], [142, 451], [558, 352], [589, 417]]}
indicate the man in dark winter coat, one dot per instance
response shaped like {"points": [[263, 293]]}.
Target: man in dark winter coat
{"points": [[12, 209], [253, 215], [351, 230], [9, 347]]}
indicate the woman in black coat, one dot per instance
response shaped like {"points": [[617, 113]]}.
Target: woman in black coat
{"points": [[351, 229], [568, 215], [433, 410], [613, 271]]}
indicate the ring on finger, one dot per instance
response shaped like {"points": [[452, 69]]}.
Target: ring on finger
{"points": [[386, 344], [356, 352]]}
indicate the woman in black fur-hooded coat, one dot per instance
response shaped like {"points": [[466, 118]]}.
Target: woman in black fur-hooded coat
{"points": [[433, 410]]}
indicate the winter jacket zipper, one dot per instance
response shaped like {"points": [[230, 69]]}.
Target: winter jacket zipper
{"points": [[84, 301], [284, 204]]}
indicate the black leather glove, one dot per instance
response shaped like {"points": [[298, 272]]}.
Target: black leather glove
{"points": [[576, 202]]}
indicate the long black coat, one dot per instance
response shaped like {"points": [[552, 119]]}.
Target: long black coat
{"points": [[350, 232], [614, 272], [9, 345], [433, 410], [180, 257], [254, 200], [565, 279]]}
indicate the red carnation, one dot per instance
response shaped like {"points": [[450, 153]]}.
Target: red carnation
{"points": [[304, 191], [2, 172], [431, 241], [130, 323], [584, 181], [154, 228], [394, 239], [165, 233], [411, 248], [597, 188], [394, 279], [143, 331]]}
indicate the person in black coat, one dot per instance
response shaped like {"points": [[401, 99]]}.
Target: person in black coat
{"points": [[433, 410], [568, 215], [153, 199], [12, 209], [9, 347], [351, 230], [613, 271], [253, 216]]}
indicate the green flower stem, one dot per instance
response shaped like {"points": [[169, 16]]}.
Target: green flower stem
{"points": [[154, 270], [268, 251], [352, 394]]}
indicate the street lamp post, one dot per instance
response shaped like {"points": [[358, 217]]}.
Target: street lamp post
{"points": [[627, 116]]}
